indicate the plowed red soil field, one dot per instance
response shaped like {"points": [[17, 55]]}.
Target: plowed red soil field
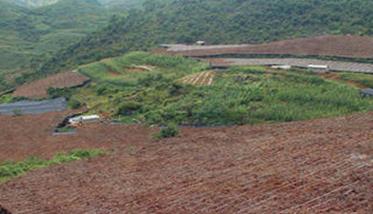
{"points": [[39, 88], [32, 135], [342, 46], [319, 166]]}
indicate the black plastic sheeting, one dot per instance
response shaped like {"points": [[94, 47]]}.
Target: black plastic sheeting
{"points": [[367, 92], [33, 107], [4, 211]]}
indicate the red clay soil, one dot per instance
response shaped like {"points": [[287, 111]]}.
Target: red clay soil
{"points": [[342, 46], [320, 166], [24, 136], [39, 88]]}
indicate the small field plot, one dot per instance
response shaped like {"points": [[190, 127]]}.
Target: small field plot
{"points": [[130, 68], [203, 78], [39, 88], [342, 46]]}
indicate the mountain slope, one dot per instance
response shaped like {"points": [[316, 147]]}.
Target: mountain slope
{"points": [[30, 36], [123, 4], [219, 21], [110, 3], [33, 3]]}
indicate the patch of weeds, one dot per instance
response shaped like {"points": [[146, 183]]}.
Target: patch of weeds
{"points": [[9, 170]]}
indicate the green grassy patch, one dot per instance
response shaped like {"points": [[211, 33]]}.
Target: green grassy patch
{"points": [[9, 170], [363, 79]]}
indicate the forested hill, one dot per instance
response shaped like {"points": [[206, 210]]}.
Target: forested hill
{"points": [[27, 34], [219, 21]]}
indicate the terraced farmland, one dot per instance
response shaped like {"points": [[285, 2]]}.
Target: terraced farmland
{"points": [[203, 78]]}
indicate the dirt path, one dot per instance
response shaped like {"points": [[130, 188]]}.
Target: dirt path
{"points": [[318, 166]]}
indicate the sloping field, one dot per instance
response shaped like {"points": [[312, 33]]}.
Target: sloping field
{"points": [[302, 63], [342, 46], [320, 166], [32, 135], [39, 88]]}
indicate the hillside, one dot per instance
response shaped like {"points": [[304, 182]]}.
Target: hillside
{"points": [[320, 166], [30, 36], [123, 4], [33, 3], [155, 89], [218, 21]]}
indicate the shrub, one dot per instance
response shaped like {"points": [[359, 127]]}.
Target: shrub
{"points": [[74, 104], [128, 108], [170, 130], [59, 92]]}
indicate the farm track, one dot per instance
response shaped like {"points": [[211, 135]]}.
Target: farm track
{"points": [[318, 166], [341, 46], [39, 88], [199, 79]]}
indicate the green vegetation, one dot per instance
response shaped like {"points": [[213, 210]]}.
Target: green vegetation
{"points": [[217, 21], [65, 129], [6, 99], [33, 3], [9, 170], [29, 36], [365, 80], [242, 95], [171, 130]]}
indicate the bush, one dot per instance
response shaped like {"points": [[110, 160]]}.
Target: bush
{"points": [[74, 104], [59, 92], [128, 108], [171, 130]]}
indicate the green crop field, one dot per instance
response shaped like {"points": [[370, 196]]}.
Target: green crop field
{"points": [[240, 95]]}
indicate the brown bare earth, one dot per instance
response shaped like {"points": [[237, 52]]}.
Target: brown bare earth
{"points": [[342, 46], [32, 135], [319, 166], [39, 88]]}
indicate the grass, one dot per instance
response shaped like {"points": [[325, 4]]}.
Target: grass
{"points": [[363, 79], [9, 170], [7, 98], [242, 95]]}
